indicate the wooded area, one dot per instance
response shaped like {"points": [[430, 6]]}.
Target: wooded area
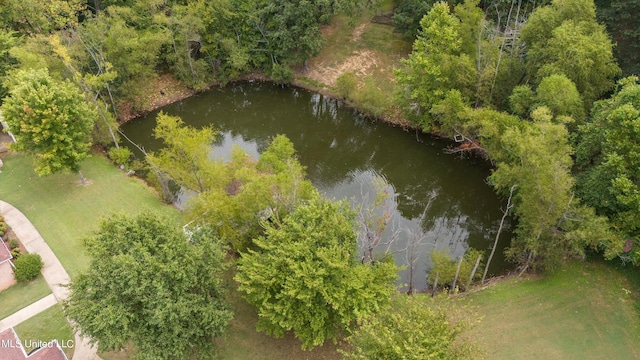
{"points": [[540, 89]]}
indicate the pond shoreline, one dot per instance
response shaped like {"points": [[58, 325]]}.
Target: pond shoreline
{"points": [[183, 93]]}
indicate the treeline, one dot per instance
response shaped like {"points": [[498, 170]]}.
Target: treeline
{"points": [[112, 48], [521, 82], [534, 90]]}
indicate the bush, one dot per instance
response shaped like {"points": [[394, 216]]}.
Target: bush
{"points": [[415, 328], [281, 74], [13, 244], [370, 99], [446, 267], [3, 226], [120, 156], [27, 267], [347, 84]]}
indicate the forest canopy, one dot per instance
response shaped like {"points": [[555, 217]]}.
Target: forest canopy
{"points": [[506, 76]]}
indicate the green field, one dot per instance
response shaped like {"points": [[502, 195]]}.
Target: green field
{"points": [[583, 311], [65, 212], [21, 295]]}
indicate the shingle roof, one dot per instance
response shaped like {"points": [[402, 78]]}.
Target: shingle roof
{"points": [[11, 349]]}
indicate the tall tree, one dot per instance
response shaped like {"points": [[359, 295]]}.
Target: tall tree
{"points": [[252, 193], [565, 38], [620, 18], [151, 286], [41, 17], [184, 27], [185, 158], [538, 162], [608, 154], [50, 119], [557, 92], [305, 278], [8, 39], [407, 15], [436, 65]]}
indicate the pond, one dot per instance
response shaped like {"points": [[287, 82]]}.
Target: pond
{"points": [[437, 200]]}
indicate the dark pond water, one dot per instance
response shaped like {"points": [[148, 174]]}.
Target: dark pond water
{"points": [[348, 156]]}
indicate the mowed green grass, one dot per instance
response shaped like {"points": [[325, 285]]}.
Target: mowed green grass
{"points": [[46, 326], [21, 295], [583, 311], [65, 212]]}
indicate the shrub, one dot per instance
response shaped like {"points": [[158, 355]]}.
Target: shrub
{"points": [[16, 253], [120, 156], [415, 328], [27, 267], [446, 267], [347, 84], [281, 74], [371, 99], [13, 244], [3, 226]]}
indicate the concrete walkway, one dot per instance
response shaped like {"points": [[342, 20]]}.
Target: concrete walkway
{"points": [[53, 272], [25, 313]]}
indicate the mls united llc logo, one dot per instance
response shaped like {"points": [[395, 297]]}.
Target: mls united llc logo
{"points": [[35, 344]]}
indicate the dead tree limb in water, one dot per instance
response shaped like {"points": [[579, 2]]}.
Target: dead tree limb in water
{"points": [[415, 241], [495, 243]]}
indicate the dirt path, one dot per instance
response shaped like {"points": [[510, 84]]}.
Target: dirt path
{"points": [[362, 63]]}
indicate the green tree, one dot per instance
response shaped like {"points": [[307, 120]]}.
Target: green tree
{"points": [[185, 26], [436, 65], [445, 268], [414, 328], [521, 100], [537, 160], [608, 154], [556, 92], [151, 286], [185, 157], [560, 95], [304, 276], [118, 36], [407, 16], [620, 18], [253, 192], [41, 17], [50, 120], [8, 39], [565, 38]]}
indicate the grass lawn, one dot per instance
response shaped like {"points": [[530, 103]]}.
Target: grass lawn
{"points": [[46, 326], [65, 212], [583, 311], [22, 295]]}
